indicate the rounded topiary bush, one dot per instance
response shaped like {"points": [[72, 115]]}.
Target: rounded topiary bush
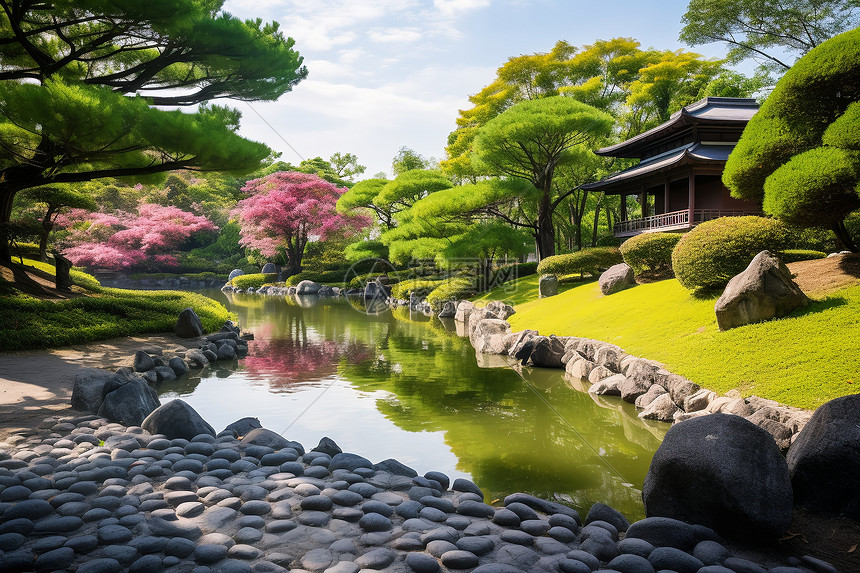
{"points": [[255, 280], [585, 261], [650, 252], [715, 251]]}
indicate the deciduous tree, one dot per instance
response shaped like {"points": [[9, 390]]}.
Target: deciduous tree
{"points": [[79, 79], [285, 210]]}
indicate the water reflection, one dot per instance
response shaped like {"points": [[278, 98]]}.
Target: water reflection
{"points": [[397, 384]]}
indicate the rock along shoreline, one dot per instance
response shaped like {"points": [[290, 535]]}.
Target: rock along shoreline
{"points": [[87, 494]]}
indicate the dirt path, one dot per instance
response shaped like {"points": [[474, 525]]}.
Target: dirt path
{"points": [[38, 383]]}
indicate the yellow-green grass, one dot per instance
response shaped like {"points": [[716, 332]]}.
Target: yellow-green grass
{"points": [[802, 360], [519, 291], [99, 314]]}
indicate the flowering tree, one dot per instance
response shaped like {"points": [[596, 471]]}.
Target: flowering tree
{"points": [[287, 209], [126, 240]]}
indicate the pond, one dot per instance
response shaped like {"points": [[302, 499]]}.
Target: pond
{"points": [[403, 386]]}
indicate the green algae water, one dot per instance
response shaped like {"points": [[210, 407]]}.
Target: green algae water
{"points": [[403, 386]]}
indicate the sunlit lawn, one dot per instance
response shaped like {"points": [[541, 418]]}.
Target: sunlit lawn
{"points": [[803, 360]]}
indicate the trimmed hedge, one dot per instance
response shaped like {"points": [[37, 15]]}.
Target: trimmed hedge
{"points": [[452, 289], [421, 287], [715, 251], [795, 255], [255, 280], [650, 252], [585, 261]]}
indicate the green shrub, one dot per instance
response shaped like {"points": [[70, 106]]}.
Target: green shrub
{"points": [[507, 273], [420, 287], [650, 252], [794, 255], [451, 289], [584, 261], [715, 251], [255, 280]]}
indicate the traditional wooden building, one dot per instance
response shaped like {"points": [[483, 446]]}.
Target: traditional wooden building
{"points": [[678, 180]]}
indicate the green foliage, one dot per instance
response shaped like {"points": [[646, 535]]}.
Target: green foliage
{"points": [[453, 289], [816, 187], [778, 359], [765, 29], [362, 250], [788, 148], [410, 186], [420, 287], [650, 252], [409, 160], [715, 251], [589, 261], [31, 323], [255, 280], [794, 255]]}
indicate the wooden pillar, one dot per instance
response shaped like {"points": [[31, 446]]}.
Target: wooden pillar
{"points": [[623, 206], [666, 196], [643, 200], [691, 200]]}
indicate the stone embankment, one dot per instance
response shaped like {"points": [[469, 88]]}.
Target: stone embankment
{"points": [[656, 392]]}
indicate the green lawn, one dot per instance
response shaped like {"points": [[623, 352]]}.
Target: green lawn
{"points": [[803, 360], [522, 290], [101, 313]]}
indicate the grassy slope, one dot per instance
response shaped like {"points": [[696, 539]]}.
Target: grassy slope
{"points": [[802, 360], [102, 313], [520, 291]]}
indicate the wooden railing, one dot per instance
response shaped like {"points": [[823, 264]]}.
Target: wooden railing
{"points": [[673, 220]]}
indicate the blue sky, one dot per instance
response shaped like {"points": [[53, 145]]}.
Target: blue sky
{"points": [[389, 73]]}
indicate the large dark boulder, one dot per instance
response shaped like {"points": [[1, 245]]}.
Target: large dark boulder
{"points": [[824, 460], [176, 419], [724, 472], [270, 439], [130, 403], [88, 390], [269, 269], [547, 352], [244, 425], [616, 278], [188, 324], [764, 290]]}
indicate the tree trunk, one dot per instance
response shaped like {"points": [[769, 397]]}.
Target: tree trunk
{"points": [[545, 230], [844, 236], [596, 221], [5, 215]]}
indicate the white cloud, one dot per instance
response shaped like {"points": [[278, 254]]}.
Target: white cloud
{"points": [[395, 35], [453, 7]]}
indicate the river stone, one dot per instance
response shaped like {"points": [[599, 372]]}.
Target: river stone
{"points": [[176, 419], [422, 563], [723, 472], [307, 287], [669, 558], [188, 324], [351, 462], [662, 408], [608, 386], [764, 290], [264, 437], [449, 310], [547, 286], [616, 278], [824, 462], [547, 352], [602, 512], [488, 336], [87, 391]]}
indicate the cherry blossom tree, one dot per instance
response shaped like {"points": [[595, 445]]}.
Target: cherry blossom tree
{"points": [[121, 241], [285, 210]]}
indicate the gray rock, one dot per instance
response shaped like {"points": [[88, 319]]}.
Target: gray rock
{"points": [[648, 397], [547, 286], [662, 408], [464, 309], [764, 290], [392, 466], [631, 564], [268, 438], [378, 558], [672, 559], [488, 335], [307, 287], [87, 391], [609, 386], [176, 419], [422, 563], [143, 361], [349, 462], [602, 512], [459, 559], [823, 461], [243, 426], [547, 352], [710, 552], [327, 446], [188, 324], [616, 278], [449, 310], [235, 273], [631, 389], [269, 269], [375, 522], [130, 403], [178, 365], [724, 472], [55, 560]]}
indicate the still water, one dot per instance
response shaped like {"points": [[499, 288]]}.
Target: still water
{"points": [[402, 386]]}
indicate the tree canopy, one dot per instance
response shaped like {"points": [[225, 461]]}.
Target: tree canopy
{"points": [[800, 153], [768, 31], [79, 79]]}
